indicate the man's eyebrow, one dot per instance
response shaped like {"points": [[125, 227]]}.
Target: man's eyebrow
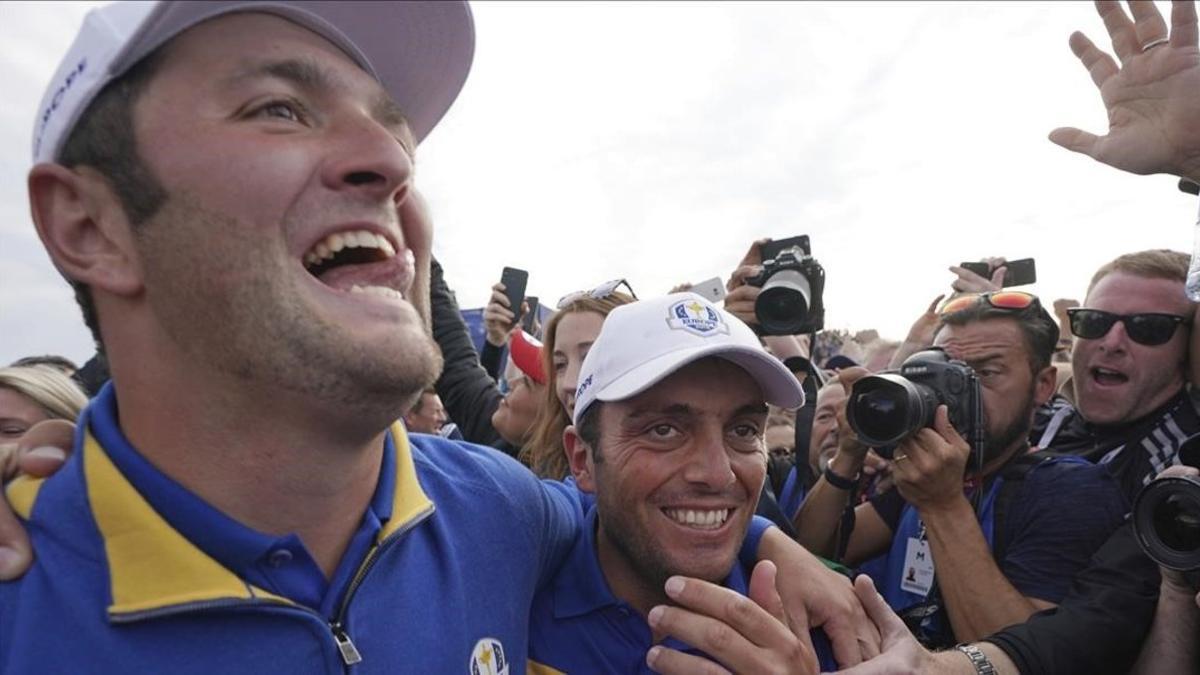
{"points": [[314, 79], [302, 73], [752, 409]]}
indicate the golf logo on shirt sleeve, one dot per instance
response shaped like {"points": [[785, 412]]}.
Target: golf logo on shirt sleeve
{"points": [[696, 317]]}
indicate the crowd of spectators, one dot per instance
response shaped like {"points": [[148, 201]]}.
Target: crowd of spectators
{"points": [[693, 459]]}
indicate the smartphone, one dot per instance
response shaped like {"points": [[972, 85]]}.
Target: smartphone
{"points": [[773, 248], [712, 289], [514, 281], [528, 321], [1019, 272]]}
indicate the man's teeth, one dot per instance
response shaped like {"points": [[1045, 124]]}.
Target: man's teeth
{"points": [[381, 291], [707, 520], [329, 246]]}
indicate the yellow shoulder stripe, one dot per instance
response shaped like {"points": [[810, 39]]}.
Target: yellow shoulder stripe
{"points": [[535, 668]]}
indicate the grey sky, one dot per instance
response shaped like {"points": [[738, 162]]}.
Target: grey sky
{"points": [[654, 142]]}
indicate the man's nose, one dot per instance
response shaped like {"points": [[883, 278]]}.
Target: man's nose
{"points": [[708, 463], [367, 158], [1116, 339]]}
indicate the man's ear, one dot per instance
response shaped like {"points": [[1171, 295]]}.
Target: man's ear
{"points": [[579, 456], [1045, 384], [84, 228]]}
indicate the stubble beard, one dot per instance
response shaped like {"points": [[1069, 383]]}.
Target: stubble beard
{"points": [[259, 331]]}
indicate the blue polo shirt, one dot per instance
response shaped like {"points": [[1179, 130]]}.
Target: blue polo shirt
{"points": [[281, 565], [445, 588], [578, 626]]}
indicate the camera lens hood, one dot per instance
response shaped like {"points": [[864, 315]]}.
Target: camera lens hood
{"points": [[1166, 520], [885, 409]]}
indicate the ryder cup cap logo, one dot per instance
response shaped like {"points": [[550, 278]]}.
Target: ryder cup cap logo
{"points": [[696, 317], [488, 658]]}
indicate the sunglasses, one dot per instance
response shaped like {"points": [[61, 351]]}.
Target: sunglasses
{"points": [[1014, 301], [1150, 328], [598, 293]]}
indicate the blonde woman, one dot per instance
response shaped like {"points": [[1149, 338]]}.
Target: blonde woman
{"points": [[29, 395]]}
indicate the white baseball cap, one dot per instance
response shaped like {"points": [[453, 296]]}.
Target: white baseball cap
{"points": [[643, 342], [419, 51]]}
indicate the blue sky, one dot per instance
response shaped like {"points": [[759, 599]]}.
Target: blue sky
{"points": [[655, 141]]}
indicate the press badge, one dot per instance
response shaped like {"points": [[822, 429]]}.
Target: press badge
{"points": [[918, 568]]}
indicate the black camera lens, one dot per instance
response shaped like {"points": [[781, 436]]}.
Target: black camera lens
{"points": [[782, 306], [885, 409], [1166, 519]]}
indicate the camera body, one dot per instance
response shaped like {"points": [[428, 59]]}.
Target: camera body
{"points": [[886, 408], [792, 284]]}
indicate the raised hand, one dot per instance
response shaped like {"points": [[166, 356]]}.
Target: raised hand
{"points": [[744, 634], [498, 318], [1152, 96]]}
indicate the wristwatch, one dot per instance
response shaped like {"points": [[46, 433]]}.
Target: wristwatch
{"points": [[982, 665]]}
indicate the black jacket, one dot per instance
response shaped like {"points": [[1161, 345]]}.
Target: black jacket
{"points": [[468, 392]]}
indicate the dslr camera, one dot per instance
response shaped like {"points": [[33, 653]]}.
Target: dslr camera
{"points": [[792, 284], [885, 409], [1166, 517]]}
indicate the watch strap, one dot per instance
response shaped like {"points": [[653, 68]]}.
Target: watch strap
{"points": [[839, 482], [978, 659]]}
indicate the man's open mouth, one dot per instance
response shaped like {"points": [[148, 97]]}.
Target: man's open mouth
{"points": [[1107, 377], [701, 519], [358, 262]]}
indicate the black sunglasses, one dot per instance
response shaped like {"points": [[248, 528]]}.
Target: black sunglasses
{"points": [[1150, 329]]}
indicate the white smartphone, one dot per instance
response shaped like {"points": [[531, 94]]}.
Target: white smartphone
{"points": [[713, 289]]}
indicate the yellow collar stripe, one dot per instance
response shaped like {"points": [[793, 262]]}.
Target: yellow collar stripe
{"points": [[150, 564], [22, 493], [409, 499]]}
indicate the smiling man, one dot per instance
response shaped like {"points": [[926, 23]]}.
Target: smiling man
{"points": [[228, 186], [668, 437]]}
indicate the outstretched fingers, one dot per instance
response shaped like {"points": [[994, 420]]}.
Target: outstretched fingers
{"points": [[1183, 23], [1148, 23], [1100, 66], [1120, 29], [1075, 140]]}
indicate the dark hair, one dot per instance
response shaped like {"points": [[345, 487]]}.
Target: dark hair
{"points": [[104, 139], [589, 429], [1040, 331]]}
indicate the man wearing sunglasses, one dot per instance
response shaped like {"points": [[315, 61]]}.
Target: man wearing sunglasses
{"points": [[963, 559], [1129, 361]]}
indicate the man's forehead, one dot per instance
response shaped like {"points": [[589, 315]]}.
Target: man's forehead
{"points": [[981, 339], [1128, 293], [831, 393]]}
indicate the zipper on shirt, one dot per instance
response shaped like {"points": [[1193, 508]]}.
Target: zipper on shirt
{"points": [[345, 645], [350, 653]]}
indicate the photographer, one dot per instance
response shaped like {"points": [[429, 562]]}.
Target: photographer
{"points": [[954, 571]]}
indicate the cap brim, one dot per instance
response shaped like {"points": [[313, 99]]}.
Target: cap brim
{"points": [[419, 51], [779, 386]]}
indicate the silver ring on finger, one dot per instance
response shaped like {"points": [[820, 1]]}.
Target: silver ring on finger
{"points": [[1154, 43]]}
